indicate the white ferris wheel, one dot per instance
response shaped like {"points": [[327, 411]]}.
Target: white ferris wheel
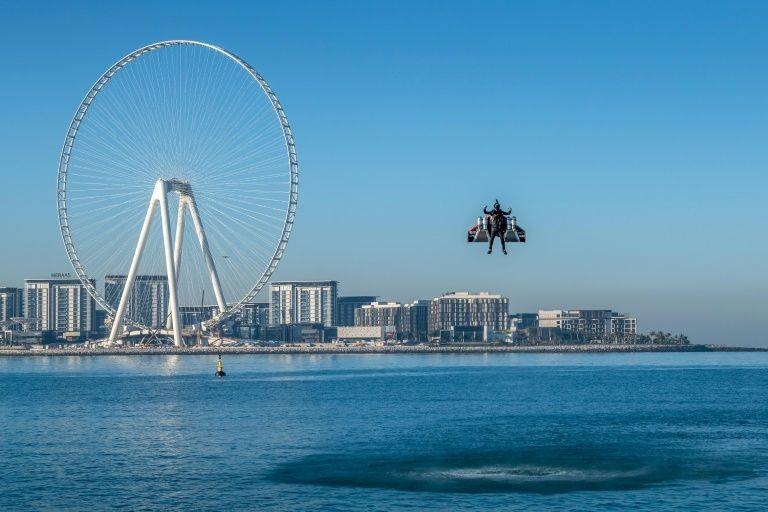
{"points": [[178, 180]]}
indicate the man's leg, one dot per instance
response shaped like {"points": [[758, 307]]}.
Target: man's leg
{"points": [[490, 243], [503, 243]]}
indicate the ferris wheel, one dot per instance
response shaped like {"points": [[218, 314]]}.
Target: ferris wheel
{"points": [[178, 180]]}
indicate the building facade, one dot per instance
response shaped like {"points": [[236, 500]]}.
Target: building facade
{"points": [[407, 321], [361, 333], [419, 320], [346, 306], [59, 304], [392, 316], [193, 316], [464, 309], [593, 323], [311, 302], [11, 303], [148, 301]]}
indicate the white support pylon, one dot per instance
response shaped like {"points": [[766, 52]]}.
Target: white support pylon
{"points": [[203, 240], [172, 252], [178, 239]]}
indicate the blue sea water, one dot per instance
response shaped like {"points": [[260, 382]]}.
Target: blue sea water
{"points": [[671, 431]]}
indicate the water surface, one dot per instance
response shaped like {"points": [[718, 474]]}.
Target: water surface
{"points": [[685, 431]]}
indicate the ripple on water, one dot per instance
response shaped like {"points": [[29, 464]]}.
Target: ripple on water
{"points": [[534, 470]]}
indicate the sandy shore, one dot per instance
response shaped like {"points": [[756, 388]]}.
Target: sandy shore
{"points": [[335, 349]]}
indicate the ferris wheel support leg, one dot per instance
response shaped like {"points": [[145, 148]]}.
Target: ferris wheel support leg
{"points": [[117, 322], [170, 265], [206, 253], [178, 239]]}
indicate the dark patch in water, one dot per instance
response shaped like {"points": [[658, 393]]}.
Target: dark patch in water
{"points": [[544, 470]]}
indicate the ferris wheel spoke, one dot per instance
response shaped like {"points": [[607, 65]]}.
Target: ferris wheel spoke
{"points": [[200, 124]]}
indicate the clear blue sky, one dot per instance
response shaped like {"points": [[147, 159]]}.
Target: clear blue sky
{"points": [[629, 138]]}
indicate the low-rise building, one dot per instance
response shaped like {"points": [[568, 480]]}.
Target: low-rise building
{"points": [[361, 333], [305, 333], [592, 323], [346, 306], [465, 309]]}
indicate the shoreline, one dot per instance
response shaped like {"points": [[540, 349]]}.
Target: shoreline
{"points": [[394, 349]]}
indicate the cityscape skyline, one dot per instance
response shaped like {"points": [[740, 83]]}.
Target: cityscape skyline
{"points": [[624, 157], [59, 309]]}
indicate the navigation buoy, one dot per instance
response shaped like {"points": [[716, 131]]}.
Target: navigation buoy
{"points": [[220, 368]]}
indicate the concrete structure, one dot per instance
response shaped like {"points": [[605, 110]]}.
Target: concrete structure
{"points": [[62, 305], [11, 303], [593, 323], [147, 302], [464, 309], [361, 333], [346, 306], [294, 302]]}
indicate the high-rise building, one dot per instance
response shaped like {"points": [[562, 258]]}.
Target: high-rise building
{"points": [[59, 304], [594, 323], [148, 301], [346, 306], [300, 302], [464, 309], [10, 303]]}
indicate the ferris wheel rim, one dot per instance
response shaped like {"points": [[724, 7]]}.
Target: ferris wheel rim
{"points": [[69, 142]]}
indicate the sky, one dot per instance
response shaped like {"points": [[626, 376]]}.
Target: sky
{"points": [[628, 137]]}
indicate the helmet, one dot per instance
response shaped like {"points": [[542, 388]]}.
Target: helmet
{"points": [[496, 205]]}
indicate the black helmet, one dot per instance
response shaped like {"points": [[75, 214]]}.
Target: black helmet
{"points": [[496, 205]]}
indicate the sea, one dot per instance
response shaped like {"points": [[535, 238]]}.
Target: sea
{"points": [[379, 432]]}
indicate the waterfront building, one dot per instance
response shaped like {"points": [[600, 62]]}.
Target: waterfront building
{"points": [[11, 303], [148, 301], [465, 334], [249, 322], [465, 309], [407, 321], [419, 320], [363, 333], [520, 321], [346, 306], [383, 314], [297, 333], [293, 302], [59, 304], [593, 323], [193, 316], [100, 322], [255, 313]]}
